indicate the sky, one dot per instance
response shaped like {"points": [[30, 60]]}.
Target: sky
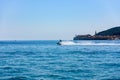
{"points": [[56, 19]]}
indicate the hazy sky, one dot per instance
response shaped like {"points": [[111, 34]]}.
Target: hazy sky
{"points": [[56, 19]]}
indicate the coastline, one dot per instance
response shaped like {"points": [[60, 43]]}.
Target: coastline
{"points": [[89, 37], [110, 34]]}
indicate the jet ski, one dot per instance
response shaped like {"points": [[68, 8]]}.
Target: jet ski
{"points": [[59, 42]]}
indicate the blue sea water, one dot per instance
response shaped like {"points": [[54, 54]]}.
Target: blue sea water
{"points": [[45, 60]]}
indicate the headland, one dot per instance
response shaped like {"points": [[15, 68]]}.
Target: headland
{"points": [[109, 34]]}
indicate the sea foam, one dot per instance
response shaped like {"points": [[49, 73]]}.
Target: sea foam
{"points": [[88, 43]]}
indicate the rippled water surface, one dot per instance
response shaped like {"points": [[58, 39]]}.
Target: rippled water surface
{"points": [[45, 60]]}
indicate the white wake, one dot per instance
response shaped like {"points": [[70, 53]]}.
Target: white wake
{"points": [[88, 43]]}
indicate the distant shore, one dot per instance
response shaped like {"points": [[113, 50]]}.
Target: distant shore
{"points": [[110, 34], [89, 37]]}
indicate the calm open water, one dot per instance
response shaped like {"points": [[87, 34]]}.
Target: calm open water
{"points": [[44, 60]]}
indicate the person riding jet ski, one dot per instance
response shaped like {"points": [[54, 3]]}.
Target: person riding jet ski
{"points": [[59, 42]]}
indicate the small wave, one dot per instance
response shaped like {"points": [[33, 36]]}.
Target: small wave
{"points": [[88, 43], [56, 77], [111, 79], [111, 65], [75, 71], [17, 78]]}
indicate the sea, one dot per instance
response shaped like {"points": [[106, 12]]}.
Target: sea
{"points": [[73, 60]]}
